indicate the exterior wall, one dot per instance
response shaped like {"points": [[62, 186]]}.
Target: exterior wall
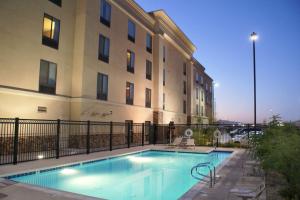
{"points": [[21, 51], [78, 64]]}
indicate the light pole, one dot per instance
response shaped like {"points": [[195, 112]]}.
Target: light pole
{"points": [[254, 37]]}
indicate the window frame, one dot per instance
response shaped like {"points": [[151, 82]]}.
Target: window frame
{"points": [[149, 49], [100, 94], [129, 99], [148, 103], [45, 90], [148, 64], [131, 37], [53, 43], [103, 19], [104, 58], [56, 2], [131, 61]]}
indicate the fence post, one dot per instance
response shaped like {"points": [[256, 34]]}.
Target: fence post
{"points": [[88, 137], [57, 138], [16, 141], [128, 135], [154, 133], [143, 134], [110, 136]]}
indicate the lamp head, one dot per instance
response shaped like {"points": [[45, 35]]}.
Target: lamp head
{"points": [[253, 36]]}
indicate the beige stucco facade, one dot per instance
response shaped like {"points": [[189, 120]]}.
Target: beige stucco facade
{"points": [[75, 97]]}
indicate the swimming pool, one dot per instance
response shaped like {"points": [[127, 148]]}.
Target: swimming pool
{"points": [[144, 175]]}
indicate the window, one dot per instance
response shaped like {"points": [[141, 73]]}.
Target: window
{"points": [[197, 109], [130, 61], [105, 13], [164, 101], [131, 31], [202, 95], [129, 93], [184, 68], [197, 93], [164, 53], [164, 77], [148, 70], [148, 98], [202, 111], [57, 2], [47, 83], [51, 27], [102, 86], [184, 106], [206, 86], [184, 87], [103, 48], [149, 43]]}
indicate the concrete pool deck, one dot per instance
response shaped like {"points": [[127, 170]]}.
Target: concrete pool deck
{"points": [[12, 190]]}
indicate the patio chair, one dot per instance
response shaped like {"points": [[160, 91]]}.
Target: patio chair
{"points": [[176, 142], [190, 143], [247, 193]]}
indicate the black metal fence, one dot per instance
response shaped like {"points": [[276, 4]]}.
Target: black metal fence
{"points": [[27, 139]]}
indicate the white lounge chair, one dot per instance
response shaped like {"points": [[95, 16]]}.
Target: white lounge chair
{"points": [[176, 142], [190, 143]]}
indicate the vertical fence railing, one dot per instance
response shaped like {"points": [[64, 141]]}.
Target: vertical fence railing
{"points": [[27, 139]]}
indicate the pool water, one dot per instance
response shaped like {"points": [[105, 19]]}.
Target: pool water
{"points": [[149, 175]]}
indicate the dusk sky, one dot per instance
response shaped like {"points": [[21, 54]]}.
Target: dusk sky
{"points": [[221, 29]]}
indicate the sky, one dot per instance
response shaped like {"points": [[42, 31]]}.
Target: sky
{"points": [[220, 29]]}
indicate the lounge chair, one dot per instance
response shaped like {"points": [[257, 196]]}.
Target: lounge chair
{"points": [[190, 143], [248, 193], [176, 142]]}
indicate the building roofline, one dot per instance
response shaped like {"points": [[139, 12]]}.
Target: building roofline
{"points": [[162, 15]]}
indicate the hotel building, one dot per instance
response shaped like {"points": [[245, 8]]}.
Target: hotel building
{"points": [[102, 60]]}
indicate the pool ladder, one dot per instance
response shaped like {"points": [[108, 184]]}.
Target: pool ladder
{"points": [[211, 178]]}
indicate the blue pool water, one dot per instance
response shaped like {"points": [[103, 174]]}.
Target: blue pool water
{"points": [[146, 175]]}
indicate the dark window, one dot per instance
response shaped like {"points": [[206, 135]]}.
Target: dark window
{"points": [[47, 83], [164, 101], [197, 93], [131, 31], [164, 53], [148, 70], [102, 86], [57, 2], [184, 87], [164, 76], [184, 106], [105, 13], [148, 98], [202, 95], [130, 61], [202, 111], [184, 68], [129, 93], [103, 48], [149, 43], [197, 109], [51, 27]]}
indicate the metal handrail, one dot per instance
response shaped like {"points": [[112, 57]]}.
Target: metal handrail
{"points": [[211, 176]]}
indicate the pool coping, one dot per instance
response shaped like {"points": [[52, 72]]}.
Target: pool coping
{"points": [[187, 195]]}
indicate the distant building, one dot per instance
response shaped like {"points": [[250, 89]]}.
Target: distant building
{"points": [[104, 60]]}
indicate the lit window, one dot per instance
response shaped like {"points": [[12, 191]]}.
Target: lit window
{"points": [[102, 86], [148, 70], [47, 83], [130, 61], [131, 31], [129, 93], [148, 98], [149, 43], [105, 13], [51, 28], [103, 53]]}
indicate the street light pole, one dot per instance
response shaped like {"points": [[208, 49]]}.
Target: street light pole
{"points": [[254, 37]]}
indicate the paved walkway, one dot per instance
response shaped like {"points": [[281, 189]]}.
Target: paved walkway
{"points": [[230, 174]]}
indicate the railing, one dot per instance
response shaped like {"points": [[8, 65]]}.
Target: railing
{"points": [[28, 139]]}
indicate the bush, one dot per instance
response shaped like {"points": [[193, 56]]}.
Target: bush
{"points": [[279, 151]]}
